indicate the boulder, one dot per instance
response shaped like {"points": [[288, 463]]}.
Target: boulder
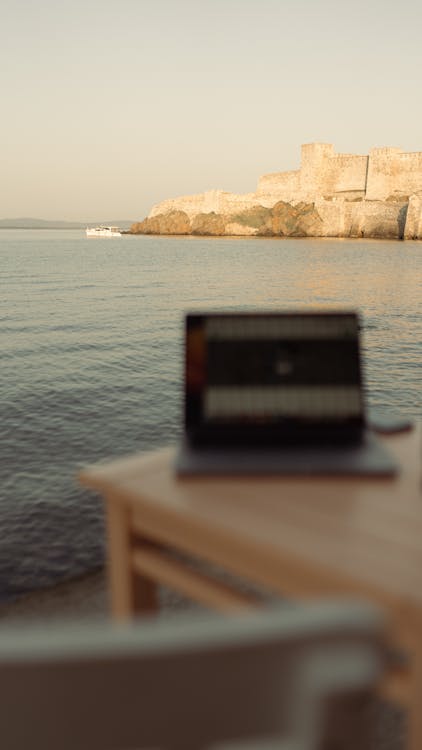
{"points": [[300, 220], [256, 220], [174, 222], [211, 224]]}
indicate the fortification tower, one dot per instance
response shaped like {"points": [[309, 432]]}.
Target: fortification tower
{"points": [[393, 174], [315, 168]]}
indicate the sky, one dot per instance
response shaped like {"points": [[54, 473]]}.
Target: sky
{"points": [[108, 107]]}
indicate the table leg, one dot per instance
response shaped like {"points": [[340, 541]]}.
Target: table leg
{"points": [[145, 594], [118, 559], [130, 593]]}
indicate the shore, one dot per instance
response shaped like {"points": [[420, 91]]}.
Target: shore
{"points": [[84, 598]]}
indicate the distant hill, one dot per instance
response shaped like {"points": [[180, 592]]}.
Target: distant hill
{"points": [[29, 223]]}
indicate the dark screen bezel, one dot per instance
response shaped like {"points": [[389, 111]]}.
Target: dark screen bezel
{"points": [[199, 430]]}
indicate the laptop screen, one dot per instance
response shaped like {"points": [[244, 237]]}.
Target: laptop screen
{"points": [[272, 376]]}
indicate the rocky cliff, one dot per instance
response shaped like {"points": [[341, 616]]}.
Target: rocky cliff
{"points": [[331, 195], [374, 219]]}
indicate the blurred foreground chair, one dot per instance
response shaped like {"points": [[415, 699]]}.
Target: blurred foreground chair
{"points": [[297, 678]]}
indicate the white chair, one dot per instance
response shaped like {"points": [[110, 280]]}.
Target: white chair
{"points": [[298, 677]]}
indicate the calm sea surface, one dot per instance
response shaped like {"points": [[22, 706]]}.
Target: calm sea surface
{"points": [[91, 358]]}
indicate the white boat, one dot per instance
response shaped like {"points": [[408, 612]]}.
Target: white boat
{"points": [[103, 231]]}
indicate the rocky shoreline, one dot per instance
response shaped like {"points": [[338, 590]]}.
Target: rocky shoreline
{"points": [[371, 219]]}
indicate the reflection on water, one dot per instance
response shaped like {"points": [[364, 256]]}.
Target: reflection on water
{"points": [[92, 346]]}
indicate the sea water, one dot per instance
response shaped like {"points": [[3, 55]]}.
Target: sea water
{"points": [[91, 358]]}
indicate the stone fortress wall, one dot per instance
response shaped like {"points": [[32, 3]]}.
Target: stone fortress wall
{"points": [[393, 173], [386, 175]]}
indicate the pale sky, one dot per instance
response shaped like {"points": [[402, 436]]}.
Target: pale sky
{"points": [[109, 106]]}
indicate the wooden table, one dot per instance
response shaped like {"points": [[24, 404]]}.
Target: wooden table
{"points": [[300, 537]]}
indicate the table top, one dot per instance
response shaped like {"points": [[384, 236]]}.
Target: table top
{"points": [[307, 535]]}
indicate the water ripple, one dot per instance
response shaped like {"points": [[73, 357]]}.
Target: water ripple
{"points": [[92, 359]]}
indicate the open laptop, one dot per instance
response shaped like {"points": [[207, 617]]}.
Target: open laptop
{"points": [[276, 393]]}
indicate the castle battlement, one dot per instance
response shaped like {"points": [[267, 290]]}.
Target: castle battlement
{"points": [[381, 174]]}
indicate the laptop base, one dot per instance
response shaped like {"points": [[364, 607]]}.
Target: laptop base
{"points": [[367, 458]]}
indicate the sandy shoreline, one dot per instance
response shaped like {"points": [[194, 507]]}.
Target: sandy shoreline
{"points": [[82, 598]]}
